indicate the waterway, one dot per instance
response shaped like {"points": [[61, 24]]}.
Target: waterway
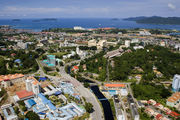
{"points": [[105, 103]]}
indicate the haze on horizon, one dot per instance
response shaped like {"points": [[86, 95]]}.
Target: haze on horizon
{"points": [[88, 8]]}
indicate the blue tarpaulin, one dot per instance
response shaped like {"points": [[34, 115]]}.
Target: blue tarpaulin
{"points": [[42, 78]]}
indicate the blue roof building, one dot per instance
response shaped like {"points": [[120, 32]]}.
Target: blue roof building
{"points": [[46, 101], [29, 103]]}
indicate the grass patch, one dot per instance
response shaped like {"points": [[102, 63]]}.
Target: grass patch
{"points": [[113, 108]]}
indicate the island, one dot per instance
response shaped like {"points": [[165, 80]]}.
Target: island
{"points": [[155, 20]]}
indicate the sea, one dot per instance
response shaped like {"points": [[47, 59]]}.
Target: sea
{"points": [[41, 24]]}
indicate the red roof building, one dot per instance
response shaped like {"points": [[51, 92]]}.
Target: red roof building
{"points": [[24, 94], [159, 117], [115, 85]]}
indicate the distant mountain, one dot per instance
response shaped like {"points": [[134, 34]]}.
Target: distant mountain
{"points": [[156, 20], [16, 20], [45, 19], [135, 18]]}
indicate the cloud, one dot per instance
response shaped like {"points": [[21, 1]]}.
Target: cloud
{"points": [[171, 6], [12, 9]]}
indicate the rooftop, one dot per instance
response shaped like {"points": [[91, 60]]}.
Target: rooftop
{"points": [[10, 77], [115, 85], [175, 97], [24, 93]]}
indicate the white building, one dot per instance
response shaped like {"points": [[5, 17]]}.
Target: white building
{"points": [[22, 45], [138, 47], [101, 44], [121, 115], [134, 41], [127, 43], [92, 43], [162, 43], [8, 112], [176, 83], [78, 28], [33, 85], [144, 33]]}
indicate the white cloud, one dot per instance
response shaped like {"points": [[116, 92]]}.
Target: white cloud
{"points": [[12, 9], [171, 6]]}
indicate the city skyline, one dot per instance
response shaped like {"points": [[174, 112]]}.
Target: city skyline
{"points": [[88, 9]]}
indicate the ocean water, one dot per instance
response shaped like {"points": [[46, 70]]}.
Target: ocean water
{"points": [[83, 22]]}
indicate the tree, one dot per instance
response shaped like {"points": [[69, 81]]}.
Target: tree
{"points": [[89, 107], [86, 84], [32, 116], [16, 109]]}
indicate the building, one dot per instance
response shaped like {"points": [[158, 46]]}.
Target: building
{"points": [[78, 28], [92, 43], [174, 100], [138, 47], [51, 60], [32, 85], [114, 53], [162, 43], [101, 44], [8, 112], [66, 112], [176, 83], [80, 52], [6, 80], [134, 112], [22, 45], [42, 104], [144, 33], [114, 86], [23, 95], [134, 41], [127, 43]]}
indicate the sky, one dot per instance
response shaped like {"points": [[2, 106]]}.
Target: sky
{"points": [[88, 8]]}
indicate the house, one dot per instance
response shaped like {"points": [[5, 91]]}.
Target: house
{"points": [[174, 100], [149, 111], [75, 68], [151, 101]]}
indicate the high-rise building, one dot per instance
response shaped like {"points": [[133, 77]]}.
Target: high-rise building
{"points": [[51, 60], [33, 85], [176, 83]]}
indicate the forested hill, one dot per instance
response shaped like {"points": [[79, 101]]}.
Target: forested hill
{"points": [[156, 20], [167, 62]]}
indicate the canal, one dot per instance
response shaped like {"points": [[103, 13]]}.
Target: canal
{"points": [[105, 103]]}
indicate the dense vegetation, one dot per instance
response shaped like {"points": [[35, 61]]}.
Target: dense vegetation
{"points": [[157, 20], [146, 91], [32, 116], [87, 48], [96, 64], [167, 62], [25, 64]]}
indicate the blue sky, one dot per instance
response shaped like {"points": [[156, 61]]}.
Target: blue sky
{"points": [[87, 8]]}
